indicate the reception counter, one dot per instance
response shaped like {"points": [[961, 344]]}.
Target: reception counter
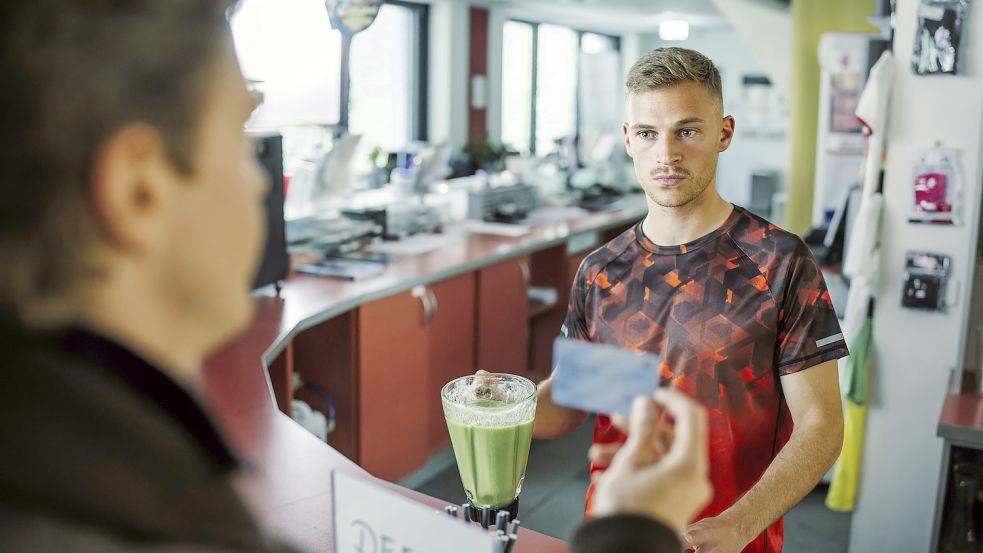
{"points": [[961, 428], [379, 349]]}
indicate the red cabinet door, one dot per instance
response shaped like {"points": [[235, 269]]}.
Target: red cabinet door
{"points": [[503, 326], [394, 394], [451, 341]]}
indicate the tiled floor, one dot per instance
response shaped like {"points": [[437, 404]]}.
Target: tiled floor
{"points": [[556, 478]]}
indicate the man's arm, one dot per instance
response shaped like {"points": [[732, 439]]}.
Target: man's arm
{"points": [[813, 397], [552, 420]]}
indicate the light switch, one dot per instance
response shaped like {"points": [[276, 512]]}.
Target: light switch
{"points": [[924, 284]]}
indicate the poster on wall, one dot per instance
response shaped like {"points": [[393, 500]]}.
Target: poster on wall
{"points": [[935, 187], [845, 60], [845, 87], [937, 37], [764, 107]]}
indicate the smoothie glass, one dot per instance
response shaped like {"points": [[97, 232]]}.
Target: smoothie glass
{"points": [[490, 419]]}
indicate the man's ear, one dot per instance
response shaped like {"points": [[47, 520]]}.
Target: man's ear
{"points": [[624, 129], [726, 132], [128, 186]]}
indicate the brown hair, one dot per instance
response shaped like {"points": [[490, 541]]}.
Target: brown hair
{"points": [[664, 67], [74, 72]]}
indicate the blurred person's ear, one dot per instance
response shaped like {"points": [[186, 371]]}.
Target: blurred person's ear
{"points": [[131, 184]]}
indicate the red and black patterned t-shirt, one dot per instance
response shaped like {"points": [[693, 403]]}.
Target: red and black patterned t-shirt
{"points": [[729, 313]]}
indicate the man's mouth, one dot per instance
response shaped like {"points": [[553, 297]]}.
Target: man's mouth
{"points": [[669, 179]]}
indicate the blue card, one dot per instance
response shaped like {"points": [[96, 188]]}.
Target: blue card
{"points": [[600, 378]]}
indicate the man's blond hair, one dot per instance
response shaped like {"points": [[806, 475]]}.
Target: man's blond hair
{"points": [[665, 67]]}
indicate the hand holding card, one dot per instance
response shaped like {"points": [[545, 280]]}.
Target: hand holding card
{"points": [[600, 378]]}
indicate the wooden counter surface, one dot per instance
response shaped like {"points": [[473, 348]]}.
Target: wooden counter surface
{"points": [[288, 481], [961, 420]]}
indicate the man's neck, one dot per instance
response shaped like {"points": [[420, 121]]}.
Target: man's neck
{"points": [[149, 330], [673, 226]]}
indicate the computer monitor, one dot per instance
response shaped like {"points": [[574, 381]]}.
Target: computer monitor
{"points": [[316, 185], [275, 264], [333, 172], [431, 165]]}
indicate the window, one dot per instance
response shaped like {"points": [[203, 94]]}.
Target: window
{"points": [[543, 82], [517, 70], [593, 43], [385, 83], [291, 49], [556, 86], [601, 92]]}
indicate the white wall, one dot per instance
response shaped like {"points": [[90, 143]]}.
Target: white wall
{"points": [[734, 60], [631, 50], [972, 357], [766, 29], [914, 351]]}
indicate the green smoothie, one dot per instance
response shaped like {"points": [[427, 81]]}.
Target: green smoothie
{"points": [[491, 459]]}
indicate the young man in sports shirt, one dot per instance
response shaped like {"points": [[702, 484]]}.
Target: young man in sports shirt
{"points": [[736, 307]]}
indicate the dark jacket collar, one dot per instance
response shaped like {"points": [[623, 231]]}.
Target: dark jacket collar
{"points": [[155, 386], [94, 435]]}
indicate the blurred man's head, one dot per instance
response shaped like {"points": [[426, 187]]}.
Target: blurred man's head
{"points": [[675, 128], [125, 176]]}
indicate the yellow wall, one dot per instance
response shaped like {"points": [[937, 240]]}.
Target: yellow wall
{"points": [[810, 19]]}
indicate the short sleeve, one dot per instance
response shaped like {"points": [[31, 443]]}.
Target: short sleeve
{"points": [[575, 323], [809, 332]]}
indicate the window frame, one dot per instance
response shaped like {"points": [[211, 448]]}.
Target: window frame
{"points": [[420, 89], [534, 25], [420, 71]]}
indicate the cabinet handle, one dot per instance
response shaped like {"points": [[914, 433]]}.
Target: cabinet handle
{"points": [[526, 273], [433, 305], [427, 309], [427, 299]]}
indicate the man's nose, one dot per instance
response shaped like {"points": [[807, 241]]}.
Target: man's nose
{"points": [[666, 152]]}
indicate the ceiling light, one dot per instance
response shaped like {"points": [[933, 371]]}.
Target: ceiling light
{"points": [[674, 29]]}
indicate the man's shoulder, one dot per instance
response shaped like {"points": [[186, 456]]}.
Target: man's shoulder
{"points": [[600, 260], [23, 530], [765, 242], [83, 420]]}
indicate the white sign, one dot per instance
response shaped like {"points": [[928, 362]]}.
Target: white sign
{"points": [[369, 519]]}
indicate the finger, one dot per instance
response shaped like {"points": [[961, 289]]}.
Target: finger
{"points": [[482, 372], [620, 422], [658, 449], [693, 537], [641, 426], [689, 445], [663, 434], [602, 454], [664, 437]]}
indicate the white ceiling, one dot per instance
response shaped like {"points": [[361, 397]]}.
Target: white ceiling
{"points": [[616, 15], [647, 7]]}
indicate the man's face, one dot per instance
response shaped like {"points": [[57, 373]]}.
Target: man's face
{"points": [[674, 136], [215, 218]]}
